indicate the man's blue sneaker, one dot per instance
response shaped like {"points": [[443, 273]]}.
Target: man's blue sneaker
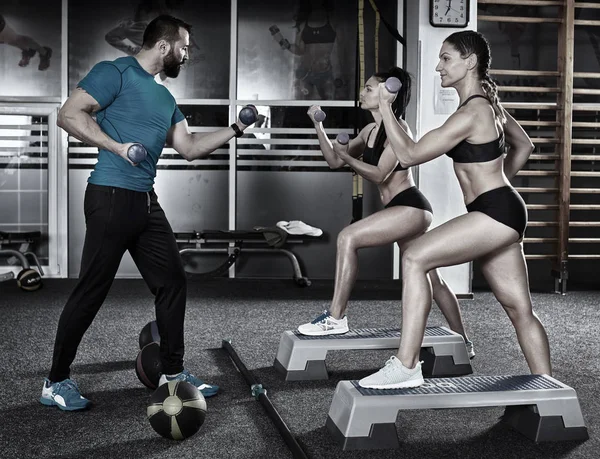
{"points": [[64, 394], [207, 390]]}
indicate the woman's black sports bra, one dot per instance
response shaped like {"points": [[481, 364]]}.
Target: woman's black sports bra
{"points": [[323, 34], [466, 152], [370, 156]]}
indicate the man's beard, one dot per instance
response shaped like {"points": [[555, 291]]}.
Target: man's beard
{"points": [[171, 65]]}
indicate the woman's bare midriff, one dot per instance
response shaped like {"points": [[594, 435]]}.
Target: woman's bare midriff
{"points": [[477, 178], [396, 183]]}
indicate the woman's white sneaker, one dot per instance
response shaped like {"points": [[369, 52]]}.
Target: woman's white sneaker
{"points": [[325, 324], [394, 375]]}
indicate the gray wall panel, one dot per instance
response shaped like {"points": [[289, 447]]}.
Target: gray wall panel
{"points": [[9, 207], [32, 208], [33, 179], [195, 201], [9, 179]]}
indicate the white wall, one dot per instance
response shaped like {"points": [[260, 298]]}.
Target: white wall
{"points": [[436, 179]]}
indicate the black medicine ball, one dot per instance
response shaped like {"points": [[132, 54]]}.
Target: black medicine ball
{"points": [[29, 280], [147, 365], [149, 334], [177, 410]]}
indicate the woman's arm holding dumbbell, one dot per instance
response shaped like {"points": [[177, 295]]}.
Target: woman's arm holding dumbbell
{"points": [[335, 162], [201, 144], [433, 144], [376, 174], [294, 48], [398, 137], [317, 116]]}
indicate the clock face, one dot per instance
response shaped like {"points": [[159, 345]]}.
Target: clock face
{"points": [[449, 13]]}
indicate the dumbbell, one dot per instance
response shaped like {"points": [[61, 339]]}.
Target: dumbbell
{"points": [[343, 138], [248, 115], [137, 153], [279, 38], [393, 85], [319, 116]]}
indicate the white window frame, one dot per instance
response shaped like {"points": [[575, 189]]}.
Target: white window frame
{"points": [[57, 188]]}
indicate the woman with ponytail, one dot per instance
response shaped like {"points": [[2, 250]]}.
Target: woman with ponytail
{"points": [[492, 230], [407, 212]]}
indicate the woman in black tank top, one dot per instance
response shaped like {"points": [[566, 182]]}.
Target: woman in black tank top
{"points": [[407, 213], [314, 43], [491, 231]]}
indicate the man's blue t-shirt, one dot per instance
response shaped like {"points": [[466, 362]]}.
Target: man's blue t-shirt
{"points": [[134, 108]]}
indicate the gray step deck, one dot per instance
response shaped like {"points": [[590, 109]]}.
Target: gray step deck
{"points": [[302, 357], [539, 406]]}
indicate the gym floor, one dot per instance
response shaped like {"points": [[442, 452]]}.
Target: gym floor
{"points": [[253, 314]]}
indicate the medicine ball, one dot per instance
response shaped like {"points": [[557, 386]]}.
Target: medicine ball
{"points": [[148, 366], [177, 410], [29, 280], [149, 334]]}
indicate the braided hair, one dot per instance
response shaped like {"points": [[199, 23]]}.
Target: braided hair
{"points": [[400, 103], [469, 42]]}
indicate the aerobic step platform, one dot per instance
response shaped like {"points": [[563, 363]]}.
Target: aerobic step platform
{"points": [[538, 406], [302, 358]]}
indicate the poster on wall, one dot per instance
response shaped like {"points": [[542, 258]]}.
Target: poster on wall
{"points": [[116, 29], [310, 49], [297, 49], [30, 42]]}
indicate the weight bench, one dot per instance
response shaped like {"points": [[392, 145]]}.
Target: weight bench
{"points": [[24, 240], [236, 242]]}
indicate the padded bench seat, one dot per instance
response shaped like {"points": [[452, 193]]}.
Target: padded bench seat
{"points": [[234, 242]]}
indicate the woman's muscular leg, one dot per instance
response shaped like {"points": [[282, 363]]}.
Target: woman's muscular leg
{"points": [[443, 296], [506, 273], [445, 245], [447, 302], [381, 228]]}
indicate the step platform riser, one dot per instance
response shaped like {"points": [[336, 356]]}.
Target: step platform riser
{"points": [[301, 358], [540, 407]]}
